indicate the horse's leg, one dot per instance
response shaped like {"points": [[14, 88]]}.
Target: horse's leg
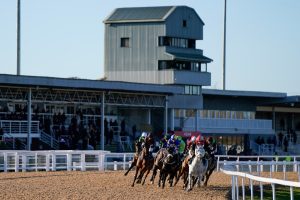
{"points": [[189, 186], [208, 173], [140, 177], [160, 178], [171, 179], [179, 175], [154, 171], [164, 180], [136, 173], [148, 171], [131, 166]]}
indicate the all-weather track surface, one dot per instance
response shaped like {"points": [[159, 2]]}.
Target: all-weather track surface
{"points": [[101, 185], [108, 185]]}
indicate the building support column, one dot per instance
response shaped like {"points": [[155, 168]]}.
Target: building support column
{"points": [[166, 114], [196, 120], [29, 121], [149, 116], [172, 114], [102, 121], [273, 118]]}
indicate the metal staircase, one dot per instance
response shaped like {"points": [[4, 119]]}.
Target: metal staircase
{"points": [[49, 140]]}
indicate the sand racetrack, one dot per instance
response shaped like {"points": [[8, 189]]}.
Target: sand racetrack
{"points": [[100, 185]]}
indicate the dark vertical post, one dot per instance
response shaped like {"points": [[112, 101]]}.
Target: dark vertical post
{"points": [[102, 121], [29, 120], [166, 114], [19, 39], [224, 48]]}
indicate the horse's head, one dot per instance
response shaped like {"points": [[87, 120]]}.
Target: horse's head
{"points": [[169, 160], [199, 151]]}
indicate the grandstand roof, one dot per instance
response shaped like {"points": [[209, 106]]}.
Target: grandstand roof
{"points": [[238, 93], [85, 84]]}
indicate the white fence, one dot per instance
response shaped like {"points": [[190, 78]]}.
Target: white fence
{"points": [[63, 160], [233, 168]]}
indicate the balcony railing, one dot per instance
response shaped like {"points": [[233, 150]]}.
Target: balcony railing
{"points": [[235, 124], [18, 128]]}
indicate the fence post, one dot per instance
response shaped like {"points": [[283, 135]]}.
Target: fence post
{"points": [[284, 170], [5, 162], [24, 163], [250, 167], [218, 164], [261, 191], [82, 162], [124, 162], [16, 162], [35, 162], [243, 188], [295, 164], [115, 166], [237, 187], [53, 162], [273, 191], [292, 193], [69, 162], [232, 187], [251, 189], [47, 162]]}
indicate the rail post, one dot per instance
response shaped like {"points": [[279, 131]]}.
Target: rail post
{"points": [[82, 159], [53, 162], [232, 187], [292, 193], [243, 188], [5, 162], [273, 191], [218, 164], [16, 162]]}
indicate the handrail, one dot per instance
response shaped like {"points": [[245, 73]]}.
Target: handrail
{"points": [[261, 179], [235, 185], [19, 126]]}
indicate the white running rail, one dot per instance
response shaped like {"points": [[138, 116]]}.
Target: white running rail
{"points": [[235, 185]]}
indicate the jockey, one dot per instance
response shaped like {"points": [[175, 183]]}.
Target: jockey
{"points": [[181, 145], [181, 148], [142, 138], [173, 144], [164, 141], [196, 141], [210, 146]]}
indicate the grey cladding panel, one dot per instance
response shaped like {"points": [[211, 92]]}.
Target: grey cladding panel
{"points": [[194, 24]]}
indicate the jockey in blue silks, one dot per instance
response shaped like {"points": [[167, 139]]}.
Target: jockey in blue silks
{"points": [[173, 144]]}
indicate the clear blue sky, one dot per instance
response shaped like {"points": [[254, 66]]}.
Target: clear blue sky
{"points": [[64, 38]]}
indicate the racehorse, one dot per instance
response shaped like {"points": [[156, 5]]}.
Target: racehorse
{"points": [[138, 149], [184, 170], [212, 164], [170, 167], [197, 168], [158, 162], [144, 162]]}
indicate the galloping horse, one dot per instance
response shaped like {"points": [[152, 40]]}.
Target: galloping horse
{"points": [[138, 150], [212, 164], [196, 169], [170, 167], [158, 162], [144, 162], [184, 170]]}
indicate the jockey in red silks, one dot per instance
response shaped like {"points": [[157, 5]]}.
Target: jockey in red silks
{"points": [[195, 141]]}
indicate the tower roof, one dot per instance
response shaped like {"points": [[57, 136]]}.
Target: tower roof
{"points": [[141, 14]]}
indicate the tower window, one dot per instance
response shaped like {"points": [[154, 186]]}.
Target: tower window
{"points": [[184, 23], [124, 42]]}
